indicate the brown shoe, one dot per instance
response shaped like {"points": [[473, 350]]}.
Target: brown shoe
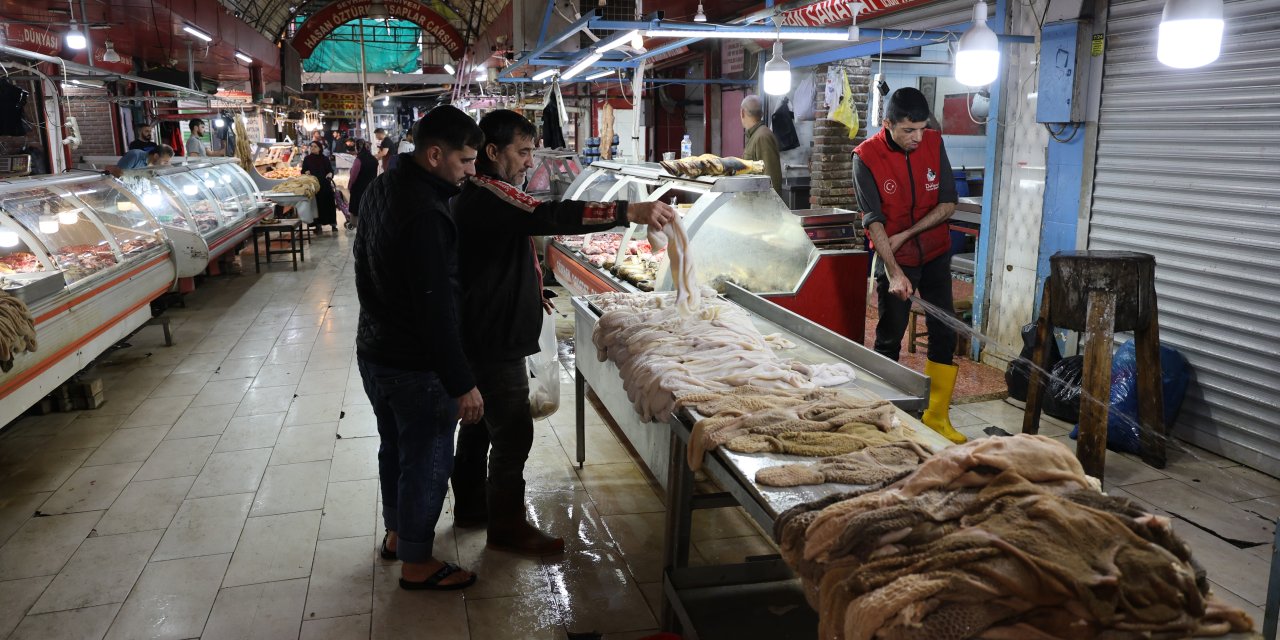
{"points": [[523, 538]]}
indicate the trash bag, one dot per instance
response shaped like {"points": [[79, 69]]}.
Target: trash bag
{"points": [[544, 372], [784, 127], [1017, 376], [1063, 399], [1123, 432]]}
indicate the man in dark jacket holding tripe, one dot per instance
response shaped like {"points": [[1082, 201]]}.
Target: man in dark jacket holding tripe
{"points": [[408, 344], [502, 312]]}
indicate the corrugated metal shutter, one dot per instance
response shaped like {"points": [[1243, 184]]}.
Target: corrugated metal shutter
{"points": [[1188, 169]]}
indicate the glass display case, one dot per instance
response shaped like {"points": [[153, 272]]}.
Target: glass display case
{"points": [[78, 245], [135, 231], [553, 171], [197, 199], [162, 203], [234, 199]]}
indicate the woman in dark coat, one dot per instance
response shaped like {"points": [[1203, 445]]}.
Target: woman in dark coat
{"points": [[317, 165], [363, 171]]}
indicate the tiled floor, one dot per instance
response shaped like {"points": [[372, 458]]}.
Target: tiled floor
{"points": [[228, 490]]}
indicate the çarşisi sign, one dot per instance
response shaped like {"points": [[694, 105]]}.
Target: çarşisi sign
{"points": [[323, 22], [836, 12]]}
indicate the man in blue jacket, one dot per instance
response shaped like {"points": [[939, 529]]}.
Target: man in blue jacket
{"points": [[502, 313], [408, 344]]}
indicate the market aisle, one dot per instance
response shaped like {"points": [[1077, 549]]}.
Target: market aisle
{"points": [[228, 490]]}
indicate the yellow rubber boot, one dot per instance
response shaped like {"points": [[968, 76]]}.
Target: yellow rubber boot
{"points": [[942, 380]]}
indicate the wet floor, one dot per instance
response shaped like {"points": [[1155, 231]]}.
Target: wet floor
{"points": [[228, 490]]}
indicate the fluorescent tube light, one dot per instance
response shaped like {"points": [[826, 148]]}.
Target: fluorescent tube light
{"points": [[197, 33], [244, 58], [581, 65], [543, 75], [617, 40]]}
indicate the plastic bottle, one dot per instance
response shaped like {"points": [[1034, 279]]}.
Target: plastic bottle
{"points": [[686, 147]]}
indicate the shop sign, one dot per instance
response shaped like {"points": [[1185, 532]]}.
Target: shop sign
{"points": [[342, 105], [323, 22], [731, 56], [42, 40], [837, 12]]}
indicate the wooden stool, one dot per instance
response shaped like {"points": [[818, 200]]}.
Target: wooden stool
{"points": [[914, 335], [1099, 293], [291, 227]]}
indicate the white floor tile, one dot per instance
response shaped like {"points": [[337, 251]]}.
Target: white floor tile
{"points": [[177, 458], [205, 526], [348, 628], [251, 432], [77, 624], [341, 579], [262, 401], [358, 421], [236, 368], [145, 505], [16, 597], [319, 382], [288, 354], [202, 421], [292, 487], [182, 384], [171, 601], [305, 443], [274, 548], [91, 489], [354, 459], [85, 433], [222, 392], [258, 611], [43, 545], [102, 571], [127, 445], [43, 471], [314, 409], [158, 412], [231, 472], [279, 375], [349, 509]]}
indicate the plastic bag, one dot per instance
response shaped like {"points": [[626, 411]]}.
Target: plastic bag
{"points": [[1063, 400], [1123, 433], [846, 114], [1017, 376], [544, 372]]}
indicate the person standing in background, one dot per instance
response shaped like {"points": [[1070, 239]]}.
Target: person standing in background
{"points": [[315, 164], [144, 140], [363, 170], [906, 193], [386, 148], [196, 146], [761, 144]]}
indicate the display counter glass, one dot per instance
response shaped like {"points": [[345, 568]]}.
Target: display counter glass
{"points": [[197, 199], [16, 254], [133, 230], [78, 245]]}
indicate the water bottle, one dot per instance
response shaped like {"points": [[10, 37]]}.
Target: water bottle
{"points": [[686, 147]]}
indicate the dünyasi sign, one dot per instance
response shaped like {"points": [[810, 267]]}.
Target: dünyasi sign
{"points": [[836, 12]]}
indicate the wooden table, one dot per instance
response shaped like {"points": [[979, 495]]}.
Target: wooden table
{"points": [[293, 228]]}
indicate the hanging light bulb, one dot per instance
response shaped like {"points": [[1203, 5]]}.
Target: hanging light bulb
{"points": [[700, 16], [978, 54], [777, 73], [637, 40], [75, 37], [1190, 33], [48, 224], [8, 238], [69, 217], [110, 54], [219, 122]]}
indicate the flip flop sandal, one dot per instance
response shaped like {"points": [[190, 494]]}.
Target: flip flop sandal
{"points": [[433, 583], [386, 553]]}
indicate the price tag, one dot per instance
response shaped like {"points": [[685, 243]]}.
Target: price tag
{"points": [[1099, 44]]}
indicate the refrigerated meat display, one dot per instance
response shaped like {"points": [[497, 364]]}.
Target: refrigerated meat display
{"points": [[87, 260], [739, 232]]}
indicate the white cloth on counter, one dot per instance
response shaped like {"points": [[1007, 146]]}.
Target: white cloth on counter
{"points": [[828, 374]]}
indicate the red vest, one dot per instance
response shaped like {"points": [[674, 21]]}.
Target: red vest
{"points": [[909, 186]]}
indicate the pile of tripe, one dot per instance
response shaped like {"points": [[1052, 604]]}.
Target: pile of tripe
{"points": [[1002, 538]]}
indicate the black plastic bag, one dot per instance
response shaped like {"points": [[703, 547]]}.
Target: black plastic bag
{"points": [[1063, 399], [1123, 432], [1016, 377], [784, 127]]}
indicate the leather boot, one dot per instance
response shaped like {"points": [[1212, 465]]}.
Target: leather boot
{"points": [[942, 381], [470, 470], [509, 530]]}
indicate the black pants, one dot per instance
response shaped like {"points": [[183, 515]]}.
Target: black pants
{"points": [[933, 284], [504, 436]]}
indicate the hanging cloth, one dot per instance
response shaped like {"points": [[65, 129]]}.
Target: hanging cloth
{"points": [[783, 124], [13, 101], [552, 134]]}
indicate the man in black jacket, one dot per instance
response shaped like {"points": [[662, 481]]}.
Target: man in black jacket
{"points": [[502, 312], [408, 345]]}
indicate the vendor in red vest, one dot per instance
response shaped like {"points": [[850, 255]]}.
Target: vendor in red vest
{"points": [[906, 193]]}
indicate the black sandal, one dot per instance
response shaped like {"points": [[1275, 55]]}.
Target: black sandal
{"points": [[386, 553], [433, 583]]}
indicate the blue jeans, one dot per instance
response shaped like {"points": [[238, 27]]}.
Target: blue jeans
{"points": [[416, 421]]}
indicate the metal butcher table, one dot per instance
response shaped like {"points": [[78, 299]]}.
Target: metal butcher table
{"points": [[714, 602]]}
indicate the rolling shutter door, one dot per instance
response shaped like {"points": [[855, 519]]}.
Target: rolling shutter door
{"points": [[1188, 169]]}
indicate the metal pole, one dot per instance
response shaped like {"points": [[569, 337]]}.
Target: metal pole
{"points": [[88, 40], [364, 83], [191, 68]]}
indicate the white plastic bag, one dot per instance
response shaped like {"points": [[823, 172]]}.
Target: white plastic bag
{"points": [[544, 372]]}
